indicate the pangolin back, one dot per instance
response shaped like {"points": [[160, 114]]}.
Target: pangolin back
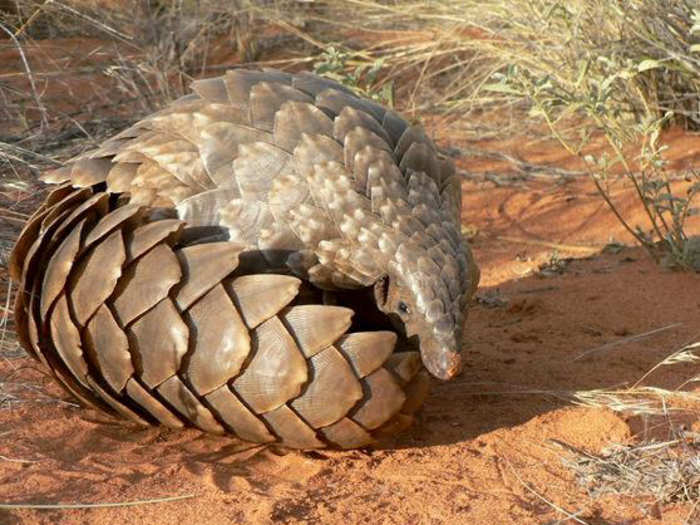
{"points": [[174, 274]]}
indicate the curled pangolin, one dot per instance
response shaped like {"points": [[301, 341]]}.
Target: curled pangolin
{"points": [[204, 266]]}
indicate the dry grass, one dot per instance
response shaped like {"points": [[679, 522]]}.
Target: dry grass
{"points": [[130, 59], [669, 471], [641, 399], [666, 470], [638, 57], [660, 472]]}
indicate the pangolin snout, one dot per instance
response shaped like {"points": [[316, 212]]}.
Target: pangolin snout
{"points": [[441, 357]]}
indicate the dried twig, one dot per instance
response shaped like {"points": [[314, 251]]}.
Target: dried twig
{"points": [[18, 460], [61, 506], [32, 17], [626, 340], [554, 245], [686, 354], [108, 29], [30, 77], [5, 148], [570, 515], [521, 166]]}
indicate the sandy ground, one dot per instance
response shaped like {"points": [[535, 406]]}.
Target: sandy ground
{"points": [[481, 452]]}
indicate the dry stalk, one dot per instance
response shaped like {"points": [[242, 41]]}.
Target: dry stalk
{"points": [[667, 471], [30, 76]]}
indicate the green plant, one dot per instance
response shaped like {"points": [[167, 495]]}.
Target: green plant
{"points": [[667, 201], [623, 75], [355, 72]]}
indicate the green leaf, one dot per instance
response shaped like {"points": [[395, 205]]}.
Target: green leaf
{"points": [[583, 70], [607, 83], [665, 196], [502, 88], [696, 21], [646, 65]]}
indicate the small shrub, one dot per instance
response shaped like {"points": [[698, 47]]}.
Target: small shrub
{"points": [[361, 75], [623, 70]]}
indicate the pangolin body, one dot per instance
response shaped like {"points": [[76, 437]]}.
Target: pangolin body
{"points": [[176, 274]]}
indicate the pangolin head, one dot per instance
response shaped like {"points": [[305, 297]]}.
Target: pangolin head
{"points": [[427, 292]]}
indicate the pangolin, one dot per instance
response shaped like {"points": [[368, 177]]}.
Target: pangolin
{"points": [[202, 266]]}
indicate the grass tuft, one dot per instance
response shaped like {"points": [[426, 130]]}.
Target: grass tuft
{"points": [[667, 471]]}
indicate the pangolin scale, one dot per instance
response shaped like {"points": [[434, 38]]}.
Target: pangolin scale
{"points": [[270, 256]]}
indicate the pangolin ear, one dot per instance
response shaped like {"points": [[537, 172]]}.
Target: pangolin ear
{"points": [[381, 291]]}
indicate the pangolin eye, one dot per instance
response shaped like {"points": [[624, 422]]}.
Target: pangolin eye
{"points": [[403, 308]]}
